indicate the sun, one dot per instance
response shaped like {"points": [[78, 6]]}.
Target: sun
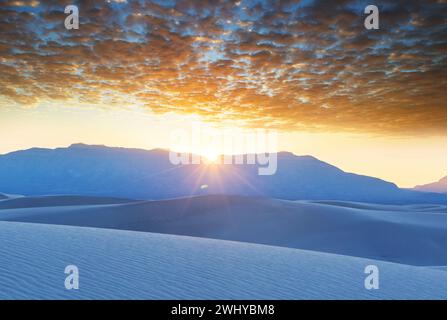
{"points": [[210, 157]]}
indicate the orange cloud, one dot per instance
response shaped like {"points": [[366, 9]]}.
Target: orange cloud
{"points": [[276, 64]]}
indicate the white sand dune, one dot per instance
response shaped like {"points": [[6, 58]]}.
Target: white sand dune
{"points": [[414, 235], [116, 264], [383, 207], [440, 268], [55, 201]]}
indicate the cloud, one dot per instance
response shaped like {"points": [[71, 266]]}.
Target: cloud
{"points": [[293, 65]]}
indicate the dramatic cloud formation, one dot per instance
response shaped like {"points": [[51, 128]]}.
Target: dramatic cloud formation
{"points": [[287, 64]]}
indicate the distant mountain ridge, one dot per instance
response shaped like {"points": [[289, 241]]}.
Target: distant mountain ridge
{"points": [[440, 186], [141, 174]]}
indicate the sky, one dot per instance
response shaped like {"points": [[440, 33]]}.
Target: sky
{"points": [[368, 101]]}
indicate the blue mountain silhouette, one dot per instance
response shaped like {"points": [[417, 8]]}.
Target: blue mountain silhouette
{"points": [[141, 174]]}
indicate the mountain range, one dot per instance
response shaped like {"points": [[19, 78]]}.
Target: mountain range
{"points": [[94, 170], [440, 186]]}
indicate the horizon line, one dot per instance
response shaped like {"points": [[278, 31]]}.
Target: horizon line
{"points": [[144, 149]]}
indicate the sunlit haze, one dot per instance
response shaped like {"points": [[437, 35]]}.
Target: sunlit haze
{"points": [[404, 160]]}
